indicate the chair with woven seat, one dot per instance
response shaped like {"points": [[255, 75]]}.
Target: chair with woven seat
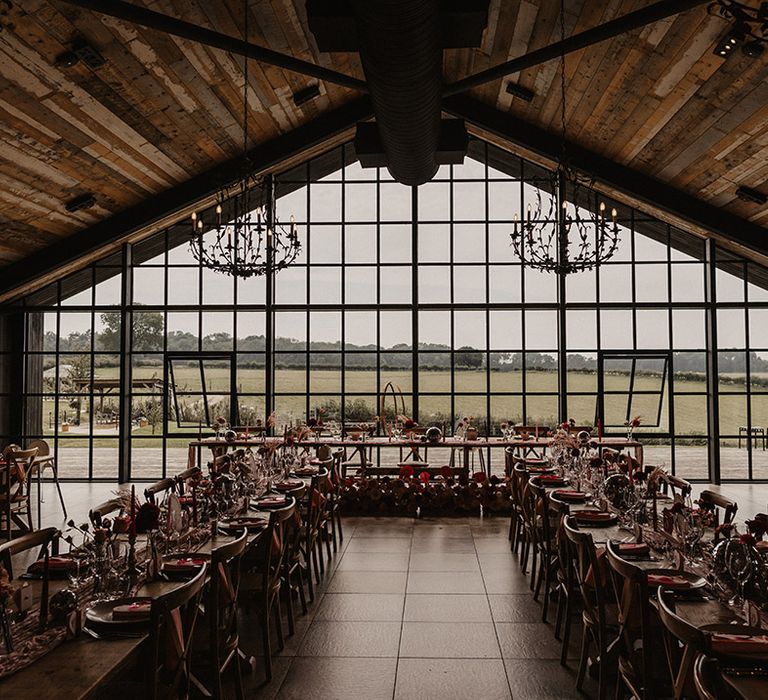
{"points": [[599, 613], [15, 479], [640, 632], [261, 577]]}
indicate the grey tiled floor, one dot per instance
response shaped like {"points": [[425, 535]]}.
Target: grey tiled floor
{"points": [[424, 609]]}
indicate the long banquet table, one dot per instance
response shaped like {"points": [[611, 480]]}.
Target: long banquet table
{"points": [[466, 447]]}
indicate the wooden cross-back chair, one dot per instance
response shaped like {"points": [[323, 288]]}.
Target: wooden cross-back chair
{"points": [[709, 682], [45, 460], [530, 530], [221, 607], [173, 620], [335, 504], [517, 524], [546, 524], [164, 486], [182, 478], [565, 586], [725, 509], [675, 486], [15, 480], [96, 514], [48, 542], [598, 611], [639, 670], [46, 539], [261, 578], [694, 642]]}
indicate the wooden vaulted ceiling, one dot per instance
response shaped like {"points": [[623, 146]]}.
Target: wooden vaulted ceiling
{"points": [[162, 110]]}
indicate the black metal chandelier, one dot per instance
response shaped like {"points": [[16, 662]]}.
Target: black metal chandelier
{"points": [[564, 231], [245, 239], [248, 241]]}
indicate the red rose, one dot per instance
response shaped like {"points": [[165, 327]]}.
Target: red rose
{"points": [[445, 472], [479, 477], [406, 471], [424, 476], [747, 539], [148, 517]]}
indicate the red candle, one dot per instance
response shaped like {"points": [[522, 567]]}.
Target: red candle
{"points": [[133, 511], [194, 505], [599, 429], [537, 431]]}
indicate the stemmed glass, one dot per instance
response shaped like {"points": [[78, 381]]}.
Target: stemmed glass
{"points": [[740, 566]]}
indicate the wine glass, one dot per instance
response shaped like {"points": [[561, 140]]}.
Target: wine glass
{"points": [[740, 566]]}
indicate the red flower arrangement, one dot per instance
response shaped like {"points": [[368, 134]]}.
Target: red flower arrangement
{"points": [[147, 517], [424, 477], [406, 471]]}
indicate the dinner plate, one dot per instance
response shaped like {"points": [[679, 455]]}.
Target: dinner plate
{"points": [[250, 523], [740, 630], [606, 519], [101, 613], [694, 581], [182, 566], [262, 504]]}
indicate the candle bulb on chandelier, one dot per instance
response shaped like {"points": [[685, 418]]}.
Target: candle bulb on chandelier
{"points": [[218, 213], [602, 210], [614, 214]]}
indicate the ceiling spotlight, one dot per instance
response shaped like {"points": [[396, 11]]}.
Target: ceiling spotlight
{"points": [[750, 194], [85, 201], [306, 94], [68, 59], [81, 51], [519, 91], [754, 48]]}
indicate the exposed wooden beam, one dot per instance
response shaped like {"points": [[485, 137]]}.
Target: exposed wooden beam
{"points": [[620, 25], [177, 27], [140, 220], [532, 141]]}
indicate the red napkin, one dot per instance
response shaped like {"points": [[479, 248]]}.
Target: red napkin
{"points": [[54, 564], [740, 644], [570, 494], [306, 470], [183, 563], [592, 515], [289, 484], [131, 611], [551, 479], [634, 548], [270, 501], [667, 580]]}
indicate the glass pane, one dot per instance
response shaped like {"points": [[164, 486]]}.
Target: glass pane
{"points": [[395, 330]]}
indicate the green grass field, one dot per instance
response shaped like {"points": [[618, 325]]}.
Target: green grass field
{"points": [[325, 384]]}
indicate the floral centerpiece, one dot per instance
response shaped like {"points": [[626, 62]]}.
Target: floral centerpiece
{"points": [[412, 494], [631, 424]]}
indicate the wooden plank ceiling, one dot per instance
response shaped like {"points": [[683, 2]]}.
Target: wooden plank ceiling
{"points": [[162, 109]]}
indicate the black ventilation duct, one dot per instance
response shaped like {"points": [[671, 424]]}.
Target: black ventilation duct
{"points": [[402, 55], [401, 46]]}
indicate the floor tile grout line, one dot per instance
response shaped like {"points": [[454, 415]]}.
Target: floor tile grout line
{"points": [[319, 595], [493, 622], [402, 617]]}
